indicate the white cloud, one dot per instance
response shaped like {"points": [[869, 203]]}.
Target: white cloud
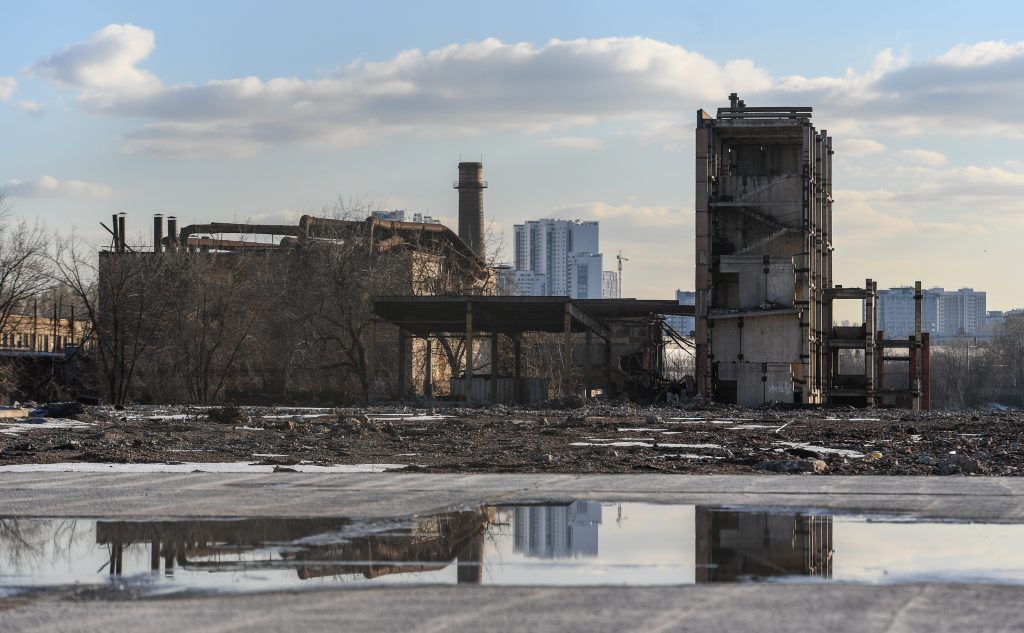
{"points": [[573, 142], [859, 147], [924, 157], [30, 106], [7, 87], [462, 89], [488, 86], [105, 61], [980, 54], [50, 187], [873, 216], [636, 215]]}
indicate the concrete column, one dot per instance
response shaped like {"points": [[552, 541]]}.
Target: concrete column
{"points": [[468, 374], [705, 172], [586, 365], [609, 387], [915, 350], [926, 372], [428, 362], [517, 350], [869, 339], [911, 377], [401, 363], [470, 560], [879, 368], [494, 367], [567, 353], [371, 362]]}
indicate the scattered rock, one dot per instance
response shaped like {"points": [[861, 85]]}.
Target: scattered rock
{"points": [[816, 466], [797, 451], [63, 409], [957, 464]]}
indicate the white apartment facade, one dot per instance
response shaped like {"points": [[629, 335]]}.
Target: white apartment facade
{"points": [[564, 252]]}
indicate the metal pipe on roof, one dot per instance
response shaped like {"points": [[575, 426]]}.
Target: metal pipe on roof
{"points": [[172, 233], [158, 232], [122, 242]]}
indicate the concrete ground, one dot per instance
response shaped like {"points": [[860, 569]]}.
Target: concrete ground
{"points": [[762, 607]]}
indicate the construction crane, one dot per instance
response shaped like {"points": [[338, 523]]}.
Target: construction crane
{"points": [[620, 259]]}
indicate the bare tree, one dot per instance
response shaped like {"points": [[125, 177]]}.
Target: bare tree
{"points": [[24, 265], [122, 295], [24, 275]]}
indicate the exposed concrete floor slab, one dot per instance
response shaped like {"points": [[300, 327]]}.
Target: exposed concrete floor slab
{"points": [[383, 495], [763, 607], [726, 608]]}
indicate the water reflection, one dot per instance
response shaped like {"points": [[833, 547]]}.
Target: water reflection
{"points": [[313, 548], [578, 543], [547, 531], [749, 545]]}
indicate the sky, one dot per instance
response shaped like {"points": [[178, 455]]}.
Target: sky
{"points": [[240, 111]]}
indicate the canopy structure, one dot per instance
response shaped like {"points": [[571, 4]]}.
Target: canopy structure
{"points": [[469, 316]]}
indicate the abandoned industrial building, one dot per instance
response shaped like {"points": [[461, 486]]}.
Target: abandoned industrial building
{"points": [[355, 309], [371, 309], [764, 328]]}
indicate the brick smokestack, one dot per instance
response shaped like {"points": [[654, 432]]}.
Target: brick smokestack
{"points": [[471, 185]]}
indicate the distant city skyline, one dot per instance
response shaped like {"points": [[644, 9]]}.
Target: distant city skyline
{"points": [[559, 257], [221, 113]]}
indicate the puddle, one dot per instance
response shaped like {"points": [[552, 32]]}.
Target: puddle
{"points": [[191, 467], [570, 544]]}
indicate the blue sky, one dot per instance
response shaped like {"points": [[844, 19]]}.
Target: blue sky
{"points": [[231, 110]]}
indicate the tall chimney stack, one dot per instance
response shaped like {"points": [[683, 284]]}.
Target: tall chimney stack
{"points": [[158, 232], [122, 242], [172, 233], [471, 185]]}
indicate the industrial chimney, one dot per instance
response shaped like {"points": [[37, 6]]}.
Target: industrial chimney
{"points": [[471, 185]]}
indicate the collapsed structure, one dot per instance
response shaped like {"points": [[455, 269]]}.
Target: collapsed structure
{"points": [[764, 303]]}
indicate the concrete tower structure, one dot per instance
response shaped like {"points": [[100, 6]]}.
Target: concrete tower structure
{"points": [[763, 249], [471, 185]]}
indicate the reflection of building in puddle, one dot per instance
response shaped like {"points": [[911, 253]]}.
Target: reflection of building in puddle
{"points": [[737, 545], [313, 547], [567, 531]]}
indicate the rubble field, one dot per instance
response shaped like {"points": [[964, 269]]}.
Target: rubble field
{"points": [[593, 438]]}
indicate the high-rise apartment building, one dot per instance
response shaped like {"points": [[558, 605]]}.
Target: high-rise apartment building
{"points": [[683, 324], [896, 311], [401, 215], [565, 253], [961, 312], [610, 285], [944, 313]]}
